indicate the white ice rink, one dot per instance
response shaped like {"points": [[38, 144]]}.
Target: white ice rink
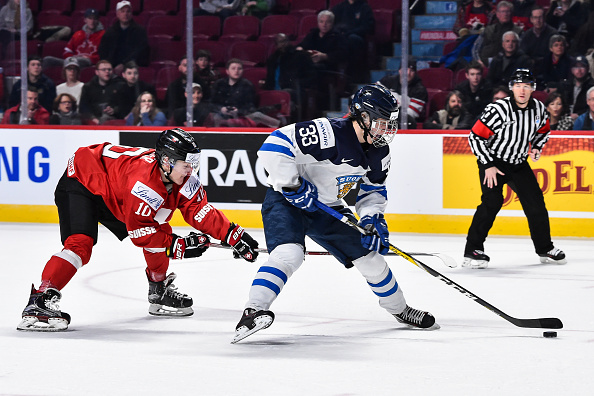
{"points": [[330, 336]]}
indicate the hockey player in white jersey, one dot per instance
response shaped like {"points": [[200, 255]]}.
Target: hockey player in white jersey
{"points": [[322, 160]]}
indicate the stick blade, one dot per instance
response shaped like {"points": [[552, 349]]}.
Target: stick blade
{"points": [[542, 323], [551, 323]]}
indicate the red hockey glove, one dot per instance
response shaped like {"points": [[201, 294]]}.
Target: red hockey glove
{"points": [[189, 246], [243, 244]]}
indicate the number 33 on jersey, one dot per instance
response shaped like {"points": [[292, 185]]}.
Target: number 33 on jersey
{"points": [[327, 153]]}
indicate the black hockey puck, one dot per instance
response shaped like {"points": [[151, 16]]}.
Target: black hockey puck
{"points": [[549, 334]]}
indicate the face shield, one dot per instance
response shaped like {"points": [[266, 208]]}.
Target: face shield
{"points": [[382, 131], [191, 162]]}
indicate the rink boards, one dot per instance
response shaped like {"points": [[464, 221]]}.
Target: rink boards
{"points": [[433, 184]]}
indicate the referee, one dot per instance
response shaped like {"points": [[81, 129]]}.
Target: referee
{"points": [[507, 132]]}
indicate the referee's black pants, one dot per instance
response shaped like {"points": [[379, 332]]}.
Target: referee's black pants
{"points": [[522, 180]]}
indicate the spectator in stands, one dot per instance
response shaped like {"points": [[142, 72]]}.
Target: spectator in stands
{"points": [[145, 112], [521, 13], [473, 15], [584, 121], [233, 95], [511, 59], [176, 90], [355, 21], [10, 23], [125, 40], [36, 114], [567, 16], [84, 44], [500, 92], [584, 38], [556, 67], [220, 8], [234, 100], [290, 70], [94, 101], [417, 93], [576, 87], [476, 91], [492, 36], [36, 79], [72, 85], [201, 110], [324, 44], [257, 8], [65, 111], [558, 117], [128, 90], [454, 116], [205, 72], [535, 42]]}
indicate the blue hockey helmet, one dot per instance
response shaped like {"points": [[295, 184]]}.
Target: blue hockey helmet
{"points": [[376, 111]]}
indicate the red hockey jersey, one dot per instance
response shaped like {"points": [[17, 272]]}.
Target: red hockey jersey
{"points": [[129, 180]]}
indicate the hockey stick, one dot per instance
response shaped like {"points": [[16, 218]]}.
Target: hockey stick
{"points": [[546, 323], [447, 260]]}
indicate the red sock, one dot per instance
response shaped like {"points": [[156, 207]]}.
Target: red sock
{"points": [[56, 274]]}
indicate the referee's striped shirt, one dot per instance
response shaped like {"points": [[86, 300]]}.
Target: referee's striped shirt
{"points": [[505, 132]]}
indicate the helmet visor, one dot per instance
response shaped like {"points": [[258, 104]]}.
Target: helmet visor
{"points": [[194, 160], [382, 131]]}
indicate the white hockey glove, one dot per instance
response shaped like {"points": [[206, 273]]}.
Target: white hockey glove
{"points": [[378, 236], [242, 243], [189, 246]]}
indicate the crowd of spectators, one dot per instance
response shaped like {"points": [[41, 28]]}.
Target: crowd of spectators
{"points": [[555, 40], [117, 50]]}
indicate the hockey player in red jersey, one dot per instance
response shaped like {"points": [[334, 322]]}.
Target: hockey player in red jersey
{"points": [[132, 191]]}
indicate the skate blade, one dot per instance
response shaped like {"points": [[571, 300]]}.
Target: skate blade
{"points": [[160, 310], [262, 322], [474, 264], [32, 323], [434, 326], [546, 260]]}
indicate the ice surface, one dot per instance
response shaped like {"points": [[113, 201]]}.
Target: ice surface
{"points": [[330, 337]]}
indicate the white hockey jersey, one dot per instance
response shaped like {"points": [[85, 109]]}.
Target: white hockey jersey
{"points": [[327, 153]]}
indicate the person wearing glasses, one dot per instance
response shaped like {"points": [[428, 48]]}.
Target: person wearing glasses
{"points": [[97, 93], [65, 111], [145, 112]]}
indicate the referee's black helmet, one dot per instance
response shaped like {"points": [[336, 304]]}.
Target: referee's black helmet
{"points": [[522, 76]]}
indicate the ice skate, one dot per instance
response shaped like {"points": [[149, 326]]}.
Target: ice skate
{"points": [[252, 321], [166, 301], [417, 318], [553, 256], [475, 259], [42, 313]]}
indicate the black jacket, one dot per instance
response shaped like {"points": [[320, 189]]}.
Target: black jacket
{"points": [[356, 18], [46, 88], [124, 97], [292, 68], [475, 102], [581, 105], [241, 95], [95, 97], [120, 46], [332, 44], [502, 67]]}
